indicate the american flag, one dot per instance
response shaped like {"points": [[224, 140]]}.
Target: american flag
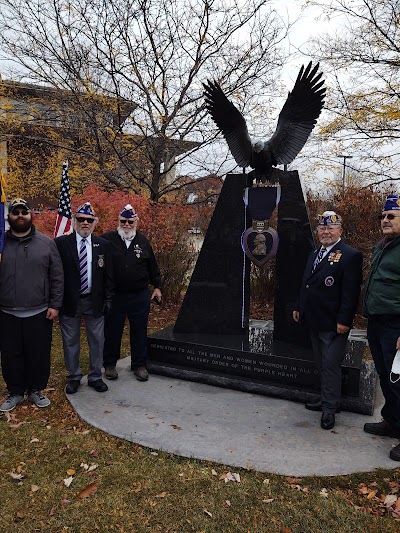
{"points": [[63, 222]]}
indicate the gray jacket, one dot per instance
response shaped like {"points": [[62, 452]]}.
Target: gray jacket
{"points": [[31, 273]]}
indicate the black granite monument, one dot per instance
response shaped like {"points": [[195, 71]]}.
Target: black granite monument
{"points": [[213, 340]]}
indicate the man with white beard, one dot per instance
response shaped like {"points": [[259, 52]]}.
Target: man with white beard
{"points": [[134, 268]]}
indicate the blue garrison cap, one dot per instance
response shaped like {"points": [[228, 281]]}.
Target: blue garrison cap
{"points": [[128, 212], [86, 209], [392, 202], [329, 218]]}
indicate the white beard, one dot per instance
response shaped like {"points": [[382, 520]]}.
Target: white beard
{"points": [[126, 236]]}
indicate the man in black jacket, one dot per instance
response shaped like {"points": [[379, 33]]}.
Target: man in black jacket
{"points": [[134, 269], [328, 302], [88, 292]]}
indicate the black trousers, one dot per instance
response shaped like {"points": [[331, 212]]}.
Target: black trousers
{"points": [[25, 351], [329, 350], [382, 337], [135, 306]]}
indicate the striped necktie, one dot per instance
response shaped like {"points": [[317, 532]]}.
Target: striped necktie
{"points": [[319, 257], [83, 266]]}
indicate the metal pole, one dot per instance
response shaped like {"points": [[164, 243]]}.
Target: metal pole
{"points": [[344, 168]]}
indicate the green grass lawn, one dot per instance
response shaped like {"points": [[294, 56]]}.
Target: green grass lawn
{"points": [[134, 489]]}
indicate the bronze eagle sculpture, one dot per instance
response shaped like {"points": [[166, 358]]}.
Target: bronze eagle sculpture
{"points": [[295, 123]]}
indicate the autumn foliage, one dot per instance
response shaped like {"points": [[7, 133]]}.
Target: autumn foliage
{"points": [[165, 225]]}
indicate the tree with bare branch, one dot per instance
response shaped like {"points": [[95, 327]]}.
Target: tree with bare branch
{"points": [[154, 54], [363, 58]]}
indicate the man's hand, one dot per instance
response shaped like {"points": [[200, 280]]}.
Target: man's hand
{"points": [[156, 296], [296, 316], [107, 307], [340, 328], [52, 313], [398, 344]]}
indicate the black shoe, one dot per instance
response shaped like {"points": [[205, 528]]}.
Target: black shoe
{"points": [[316, 406], [98, 385], [383, 428], [141, 373], [111, 372], [327, 420], [72, 386], [395, 453]]}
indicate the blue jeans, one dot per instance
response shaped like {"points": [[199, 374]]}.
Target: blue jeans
{"points": [[382, 337], [135, 306]]}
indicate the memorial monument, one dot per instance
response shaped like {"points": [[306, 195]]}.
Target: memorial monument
{"points": [[213, 340]]}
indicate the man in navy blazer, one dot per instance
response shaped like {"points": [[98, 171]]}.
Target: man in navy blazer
{"points": [[88, 290], [328, 302]]}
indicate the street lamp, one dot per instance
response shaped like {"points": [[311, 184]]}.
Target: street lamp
{"points": [[345, 157]]}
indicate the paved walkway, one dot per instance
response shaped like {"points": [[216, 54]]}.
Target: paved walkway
{"points": [[231, 427]]}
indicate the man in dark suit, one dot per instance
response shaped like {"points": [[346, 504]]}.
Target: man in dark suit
{"points": [[327, 305], [88, 292]]}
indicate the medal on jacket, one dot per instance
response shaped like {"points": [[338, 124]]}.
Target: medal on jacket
{"points": [[138, 250], [100, 261], [334, 257]]}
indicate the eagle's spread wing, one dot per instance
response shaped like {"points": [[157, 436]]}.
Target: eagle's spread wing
{"points": [[230, 121], [298, 116]]}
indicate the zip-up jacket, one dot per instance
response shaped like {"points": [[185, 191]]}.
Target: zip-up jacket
{"points": [[382, 290], [134, 268], [31, 273]]}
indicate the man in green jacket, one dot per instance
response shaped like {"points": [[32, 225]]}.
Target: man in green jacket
{"points": [[382, 308]]}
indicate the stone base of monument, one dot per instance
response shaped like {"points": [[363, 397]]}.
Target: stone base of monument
{"points": [[257, 363]]}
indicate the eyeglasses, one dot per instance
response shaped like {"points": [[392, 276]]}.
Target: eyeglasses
{"points": [[130, 222], [389, 216], [17, 212], [83, 219]]}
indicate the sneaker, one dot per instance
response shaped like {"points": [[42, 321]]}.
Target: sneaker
{"points": [[383, 428], [12, 401], [111, 372], [38, 399], [141, 373]]}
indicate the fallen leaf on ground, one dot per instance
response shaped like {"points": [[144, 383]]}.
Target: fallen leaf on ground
{"points": [[34, 440], [176, 427], [213, 472], [207, 512], [34, 488], [324, 493], [70, 472], [92, 467], [94, 453], [228, 503], [16, 476], [161, 495], [269, 500], [230, 477], [390, 500], [294, 480], [153, 453], [88, 491], [67, 482], [65, 502]]}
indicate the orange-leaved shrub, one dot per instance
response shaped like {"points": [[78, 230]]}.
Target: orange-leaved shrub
{"points": [[165, 225], [359, 208]]}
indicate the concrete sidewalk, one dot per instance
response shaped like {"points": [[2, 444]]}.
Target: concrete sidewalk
{"points": [[231, 427]]}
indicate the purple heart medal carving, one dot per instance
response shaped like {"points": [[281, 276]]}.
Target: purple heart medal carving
{"points": [[260, 242]]}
